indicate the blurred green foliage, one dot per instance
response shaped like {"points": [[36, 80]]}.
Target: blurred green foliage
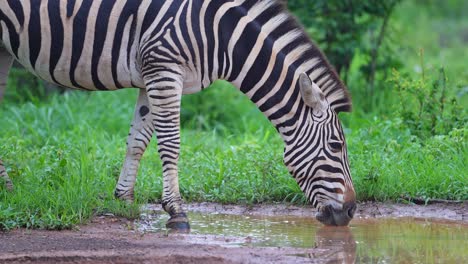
{"points": [[340, 27], [445, 8], [24, 86], [350, 31], [424, 105]]}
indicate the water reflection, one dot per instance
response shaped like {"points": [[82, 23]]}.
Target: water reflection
{"points": [[367, 240], [337, 243]]}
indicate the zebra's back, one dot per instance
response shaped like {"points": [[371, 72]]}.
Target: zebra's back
{"points": [[87, 44]]}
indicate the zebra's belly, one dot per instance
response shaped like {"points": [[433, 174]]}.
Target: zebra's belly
{"points": [[102, 73], [104, 76]]}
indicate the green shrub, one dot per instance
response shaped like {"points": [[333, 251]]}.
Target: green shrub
{"points": [[425, 106], [355, 36]]}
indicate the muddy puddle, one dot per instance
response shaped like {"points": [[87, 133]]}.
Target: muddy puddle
{"points": [[370, 240]]}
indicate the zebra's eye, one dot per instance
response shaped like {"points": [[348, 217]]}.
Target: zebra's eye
{"points": [[335, 146]]}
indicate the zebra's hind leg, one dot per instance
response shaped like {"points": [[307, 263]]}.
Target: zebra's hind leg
{"points": [[164, 95], [4, 176], [5, 63], [138, 139]]}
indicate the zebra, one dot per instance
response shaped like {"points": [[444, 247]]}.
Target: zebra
{"points": [[169, 48]]}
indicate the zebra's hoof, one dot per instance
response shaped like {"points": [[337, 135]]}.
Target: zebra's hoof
{"points": [[124, 196], [179, 223]]}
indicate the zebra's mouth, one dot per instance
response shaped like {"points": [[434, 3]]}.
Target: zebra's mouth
{"points": [[330, 216], [325, 216]]}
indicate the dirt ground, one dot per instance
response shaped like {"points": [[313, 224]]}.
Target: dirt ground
{"points": [[441, 211], [109, 239]]}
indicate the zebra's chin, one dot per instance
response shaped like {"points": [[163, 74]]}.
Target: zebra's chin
{"points": [[330, 216]]}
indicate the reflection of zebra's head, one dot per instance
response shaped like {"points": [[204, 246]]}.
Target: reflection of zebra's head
{"points": [[316, 156]]}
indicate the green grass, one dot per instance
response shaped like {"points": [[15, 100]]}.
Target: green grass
{"points": [[64, 156], [388, 162], [64, 153], [62, 172]]}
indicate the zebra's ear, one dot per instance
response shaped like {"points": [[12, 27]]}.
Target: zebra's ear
{"points": [[312, 94]]}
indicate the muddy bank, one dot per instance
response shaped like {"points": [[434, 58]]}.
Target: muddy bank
{"points": [[108, 239], [440, 211], [114, 240]]}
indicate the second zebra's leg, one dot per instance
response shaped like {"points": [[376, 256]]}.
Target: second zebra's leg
{"points": [[164, 95], [5, 63], [138, 139], [4, 176]]}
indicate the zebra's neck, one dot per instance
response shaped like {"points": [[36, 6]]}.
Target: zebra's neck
{"points": [[262, 50]]}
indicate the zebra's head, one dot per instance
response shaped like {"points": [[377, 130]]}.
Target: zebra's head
{"points": [[317, 157]]}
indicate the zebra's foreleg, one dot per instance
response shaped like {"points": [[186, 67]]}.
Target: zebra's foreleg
{"points": [[164, 95], [138, 139], [4, 176]]}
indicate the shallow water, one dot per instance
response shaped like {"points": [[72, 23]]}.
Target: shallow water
{"points": [[402, 240]]}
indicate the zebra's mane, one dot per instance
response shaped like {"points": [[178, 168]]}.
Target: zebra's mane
{"points": [[312, 58]]}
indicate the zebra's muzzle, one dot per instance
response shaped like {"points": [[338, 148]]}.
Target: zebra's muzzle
{"points": [[337, 217]]}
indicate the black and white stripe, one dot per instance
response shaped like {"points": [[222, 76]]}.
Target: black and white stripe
{"points": [[168, 48]]}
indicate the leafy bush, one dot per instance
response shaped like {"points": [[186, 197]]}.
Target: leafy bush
{"points": [[425, 106], [353, 32]]}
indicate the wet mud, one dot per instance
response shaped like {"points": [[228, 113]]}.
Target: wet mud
{"points": [[259, 234]]}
